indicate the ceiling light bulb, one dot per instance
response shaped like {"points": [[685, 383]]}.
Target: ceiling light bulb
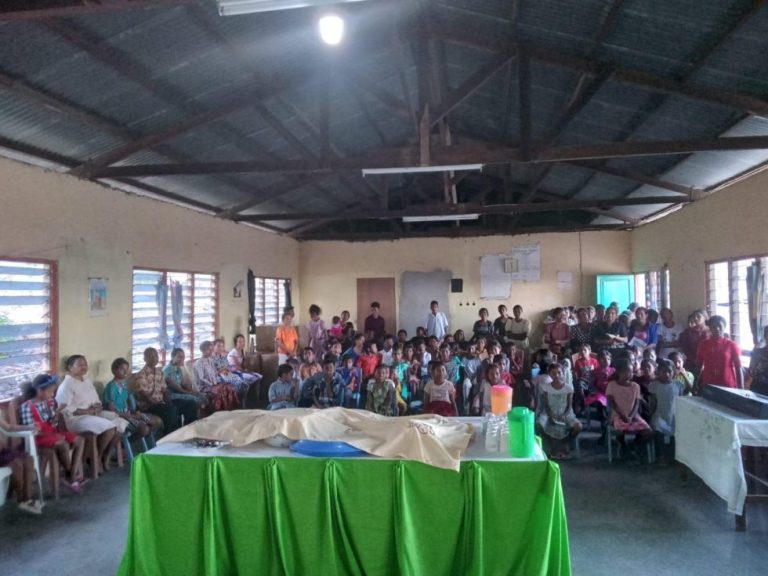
{"points": [[331, 29]]}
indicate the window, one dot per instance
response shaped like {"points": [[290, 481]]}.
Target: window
{"points": [[27, 322], [271, 295], [728, 295], [652, 289], [170, 310]]}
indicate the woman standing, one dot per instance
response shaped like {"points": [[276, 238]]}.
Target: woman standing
{"points": [[519, 328], [79, 404], [719, 358], [500, 324], [669, 334]]}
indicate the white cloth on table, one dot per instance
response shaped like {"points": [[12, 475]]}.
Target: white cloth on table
{"points": [[708, 439], [77, 394]]}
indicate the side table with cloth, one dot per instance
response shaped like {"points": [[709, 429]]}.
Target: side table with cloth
{"points": [[262, 510], [709, 439]]}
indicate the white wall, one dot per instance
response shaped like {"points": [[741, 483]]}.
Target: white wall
{"points": [[94, 231], [329, 270]]}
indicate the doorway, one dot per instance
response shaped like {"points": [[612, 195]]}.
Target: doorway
{"points": [[381, 290]]}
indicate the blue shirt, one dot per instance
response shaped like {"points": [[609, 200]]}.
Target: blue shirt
{"points": [[118, 394]]}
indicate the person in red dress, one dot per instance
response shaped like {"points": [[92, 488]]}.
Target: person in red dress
{"points": [[719, 358]]}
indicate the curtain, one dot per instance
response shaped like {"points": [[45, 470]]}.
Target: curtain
{"points": [[177, 310], [288, 304], [756, 296], [251, 302], [161, 299]]}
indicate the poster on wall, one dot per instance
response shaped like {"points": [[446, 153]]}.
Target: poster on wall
{"points": [[525, 263], [565, 280], [97, 296], [495, 281]]}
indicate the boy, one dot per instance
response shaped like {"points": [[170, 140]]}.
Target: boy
{"points": [[374, 324], [402, 337], [119, 400], [352, 378], [381, 392], [664, 390], [437, 323], [282, 392], [309, 367], [422, 356], [388, 351]]}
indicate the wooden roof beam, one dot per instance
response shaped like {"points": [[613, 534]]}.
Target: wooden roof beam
{"points": [[35, 11]]}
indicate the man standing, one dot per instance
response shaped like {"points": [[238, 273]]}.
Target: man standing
{"points": [[374, 324], [437, 323]]}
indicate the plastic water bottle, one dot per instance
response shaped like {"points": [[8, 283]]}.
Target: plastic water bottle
{"points": [[492, 433]]}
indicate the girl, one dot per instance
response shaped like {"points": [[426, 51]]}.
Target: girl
{"points": [[439, 393], [22, 471], [692, 336], [680, 373], [40, 411], [82, 410], [317, 333], [481, 350], [556, 419], [585, 369], [399, 372], [719, 358], [557, 334], [286, 340], [236, 359], [483, 400], [624, 400], [381, 392], [337, 329], [119, 400]]}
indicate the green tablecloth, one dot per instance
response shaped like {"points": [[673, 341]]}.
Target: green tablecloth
{"points": [[303, 516]]}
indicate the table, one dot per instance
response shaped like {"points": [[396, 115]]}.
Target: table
{"points": [[261, 510], [710, 439]]}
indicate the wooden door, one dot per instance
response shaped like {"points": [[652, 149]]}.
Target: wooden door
{"points": [[381, 290]]}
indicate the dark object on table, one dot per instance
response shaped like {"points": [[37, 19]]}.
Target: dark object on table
{"points": [[744, 401], [204, 443]]}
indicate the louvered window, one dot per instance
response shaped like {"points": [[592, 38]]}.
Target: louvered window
{"points": [[27, 322], [271, 297], [172, 310]]}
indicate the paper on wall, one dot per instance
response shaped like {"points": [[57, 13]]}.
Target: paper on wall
{"points": [[495, 283], [528, 263], [564, 280]]}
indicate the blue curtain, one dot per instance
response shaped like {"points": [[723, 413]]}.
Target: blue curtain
{"points": [[161, 299], [177, 309]]}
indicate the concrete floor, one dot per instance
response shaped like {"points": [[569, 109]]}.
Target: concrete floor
{"points": [[623, 518]]}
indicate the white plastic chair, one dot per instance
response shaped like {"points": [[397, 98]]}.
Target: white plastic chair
{"points": [[31, 448]]}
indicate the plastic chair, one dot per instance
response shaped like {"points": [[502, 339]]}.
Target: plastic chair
{"points": [[610, 436], [31, 449]]}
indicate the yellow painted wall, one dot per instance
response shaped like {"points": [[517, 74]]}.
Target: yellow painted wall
{"points": [[329, 270], [93, 231], [729, 223]]}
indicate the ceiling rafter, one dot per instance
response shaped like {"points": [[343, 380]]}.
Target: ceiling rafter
{"points": [[463, 209], [30, 13], [441, 156]]}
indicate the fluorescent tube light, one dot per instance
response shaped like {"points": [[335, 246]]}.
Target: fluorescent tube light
{"points": [[419, 169], [236, 7], [446, 218]]}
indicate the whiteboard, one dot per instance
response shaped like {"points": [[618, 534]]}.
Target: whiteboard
{"points": [[495, 283], [417, 290]]}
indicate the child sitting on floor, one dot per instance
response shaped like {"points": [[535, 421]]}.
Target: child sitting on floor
{"points": [[624, 400], [308, 367], [679, 371], [483, 400], [387, 351], [282, 392], [584, 372], [352, 378], [556, 419], [336, 330]]}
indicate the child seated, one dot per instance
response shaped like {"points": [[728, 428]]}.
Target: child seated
{"points": [[624, 399], [439, 393], [644, 378], [336, 330], [118, 399], [556, 420], [308, 367], [483, 400], [399, 374], [381, 392], [679, 371], [664, 390], [352, 378], [282, 392], [387, 350], [368, 360]]}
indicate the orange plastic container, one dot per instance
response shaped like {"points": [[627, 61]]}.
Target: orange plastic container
{"points": [[501, 400]]}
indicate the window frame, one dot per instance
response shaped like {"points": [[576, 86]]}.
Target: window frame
{"points": [[216, 296], [656, 292], [258, 322], [53, 307], [731, 262]]}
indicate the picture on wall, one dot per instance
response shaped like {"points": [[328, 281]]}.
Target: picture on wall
{"points": [[97, 296]]}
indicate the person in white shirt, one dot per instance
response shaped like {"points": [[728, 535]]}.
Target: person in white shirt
{"points": [[437, 323], [669, 334]]}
